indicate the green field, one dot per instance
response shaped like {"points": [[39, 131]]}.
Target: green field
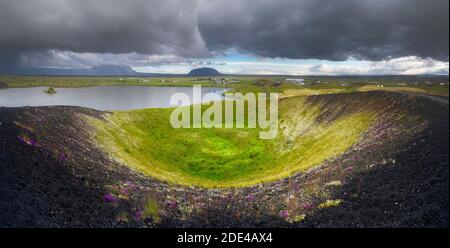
{"points": [[313, 84]]}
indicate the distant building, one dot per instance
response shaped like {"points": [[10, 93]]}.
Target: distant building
{"points": [[219, 80], [300, 81]]}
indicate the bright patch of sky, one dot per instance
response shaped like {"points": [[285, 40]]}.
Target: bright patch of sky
{"points": [[237, 63], [234, 62]]}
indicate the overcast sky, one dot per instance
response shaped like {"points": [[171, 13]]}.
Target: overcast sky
{"points": [[296, 37]]}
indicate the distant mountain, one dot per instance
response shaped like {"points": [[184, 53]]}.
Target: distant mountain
{"points": [[204, 71], [126, 71], [102, 70], [108, 70]]}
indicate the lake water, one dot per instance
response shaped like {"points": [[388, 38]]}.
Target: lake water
{"points": [[101, 97]]}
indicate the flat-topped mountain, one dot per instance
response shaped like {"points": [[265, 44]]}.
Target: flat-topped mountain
{"points": [[204, 71]]}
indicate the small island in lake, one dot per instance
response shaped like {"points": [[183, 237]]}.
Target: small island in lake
{"points": [[50, 91]]}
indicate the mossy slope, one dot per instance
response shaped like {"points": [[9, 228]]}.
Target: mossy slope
{"points": [[145, 141]]}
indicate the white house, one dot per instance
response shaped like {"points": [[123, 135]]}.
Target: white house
{"points": [[296, 80]]}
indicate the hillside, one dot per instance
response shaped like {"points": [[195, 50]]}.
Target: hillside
{"points": [[55, 170]]}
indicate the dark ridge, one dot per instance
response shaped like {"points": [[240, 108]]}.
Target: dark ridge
{"points": [[102, 70], [95, 71]]}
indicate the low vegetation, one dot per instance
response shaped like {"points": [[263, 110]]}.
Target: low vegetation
{"points": [[311, 86], [330, 203], [50, 91]]}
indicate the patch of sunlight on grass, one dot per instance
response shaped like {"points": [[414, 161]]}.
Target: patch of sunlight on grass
{"points": [[214, 158], [151, 209], [310, 92], [330, 203], [404, 89], [299, 218]]}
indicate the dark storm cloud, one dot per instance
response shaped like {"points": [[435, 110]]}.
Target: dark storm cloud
{"points": [[32, 30], [328, 29], [100, 26]]}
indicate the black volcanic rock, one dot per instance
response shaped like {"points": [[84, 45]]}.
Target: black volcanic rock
{"points": [[205, 71]]}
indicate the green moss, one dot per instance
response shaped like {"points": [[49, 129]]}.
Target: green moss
{"points": [[330, 203], [245, 84], [151, 209], [299, 218], [145, 141]]}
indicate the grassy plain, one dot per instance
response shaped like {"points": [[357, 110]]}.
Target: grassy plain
{"points": [[313, 85]]}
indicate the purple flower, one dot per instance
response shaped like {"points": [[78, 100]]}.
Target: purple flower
{"points": [[284, 214], [21, 139], [173, 204], [250, 197], [26, 140], [125, 191], [350, 168], [62, 157], [110, 198], [138, 214], [131, 186], [308, 206]]}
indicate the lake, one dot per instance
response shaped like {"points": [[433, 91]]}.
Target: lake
{"points": [[101, 97]]}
